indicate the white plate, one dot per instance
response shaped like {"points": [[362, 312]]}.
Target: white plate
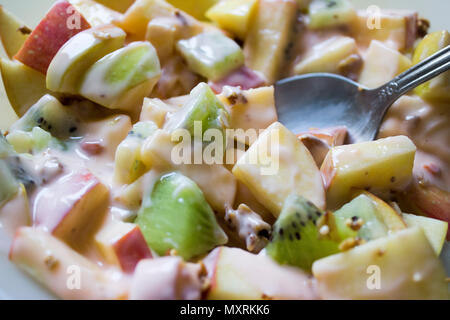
{"points": [[13, 283]]}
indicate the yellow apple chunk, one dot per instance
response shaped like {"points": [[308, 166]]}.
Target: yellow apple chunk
{"points": [[278, 164], [236, 274], [13, 32], [382, 167], [401, 266], [67, 68], [270, 32], [63, 271], [117, 5], [376, 71], [195, 8], [435, 230], [24, 86], [95, 13]]}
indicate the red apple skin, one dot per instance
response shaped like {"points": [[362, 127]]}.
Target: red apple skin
{"points": [[71, 207], [243, 77], [131, 249], [49, 36]]}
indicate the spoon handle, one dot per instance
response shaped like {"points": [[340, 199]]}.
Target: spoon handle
{"points": [[410, 79]]}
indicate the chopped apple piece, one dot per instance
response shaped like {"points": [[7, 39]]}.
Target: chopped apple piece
{"points": [[157, 153], [122, 244], [128, 162], [16, 212], [399, 266], [117, 5], [269, 35], [233, 15], [397, 28], [327, 56], [391, 218], [435, 230], [237, 275], [243, 78], [95, 13], [13, 32], [382, 166], [24, 86], [223, 54], [156, 110], [123, 78], [439, 87], [53, 264], [252, 109], [60, 24], [67, 68], [71, 206], [330, 13], [376, 71], [167, 278], [278, 164], [196, 8]]}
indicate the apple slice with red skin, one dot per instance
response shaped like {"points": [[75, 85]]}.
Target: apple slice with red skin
{"points": [[71, 207], [50, 35], [243, 77], [122, 244]]}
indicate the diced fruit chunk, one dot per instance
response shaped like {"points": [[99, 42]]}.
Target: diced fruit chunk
{"points": [[278, 164], [123, 78], [60, 24], [128, 161], [382, 166], [51, 262], [203, 106], [211, 54], [13, 32], [195, 8], [330, 13], [117, 5], [233, 15], [30, 142], [435, 230], [71, 206], [122, 244], [236, 274], [327, 56], [177, 216], [166, 278], [95, 13], [24, 86], [399, 266], [269, 35], [376, 71], [439, 87], [67, 68], [49, 114], [296, 239]]}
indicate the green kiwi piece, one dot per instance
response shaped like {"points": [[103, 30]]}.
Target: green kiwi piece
{"points": [[358, 218], [50, 115], [177, 216], [296, 239], [330, 13]]}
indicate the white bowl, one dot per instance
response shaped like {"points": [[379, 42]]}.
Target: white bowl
{"points": [[13, 283]]}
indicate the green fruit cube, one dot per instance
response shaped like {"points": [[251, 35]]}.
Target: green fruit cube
{"points": [[330, 13], [212, 55]]}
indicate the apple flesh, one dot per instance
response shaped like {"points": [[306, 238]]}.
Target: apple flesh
{"points": [[13, 32], [404, 263], [24, 86], [197, 8], [52, 263], [383, 166], [271, 29], [166, 278], [67, 68], [71, 207], [117, 5], [278, 164], [236, 274], [123, 78], [50, 35], [122, 244], [95, 13], [376, 71]]}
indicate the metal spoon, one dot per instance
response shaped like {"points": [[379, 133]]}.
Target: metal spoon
{"points": [[324, 100]]}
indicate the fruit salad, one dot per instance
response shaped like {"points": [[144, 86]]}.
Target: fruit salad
{"points": [[147, 161]]}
